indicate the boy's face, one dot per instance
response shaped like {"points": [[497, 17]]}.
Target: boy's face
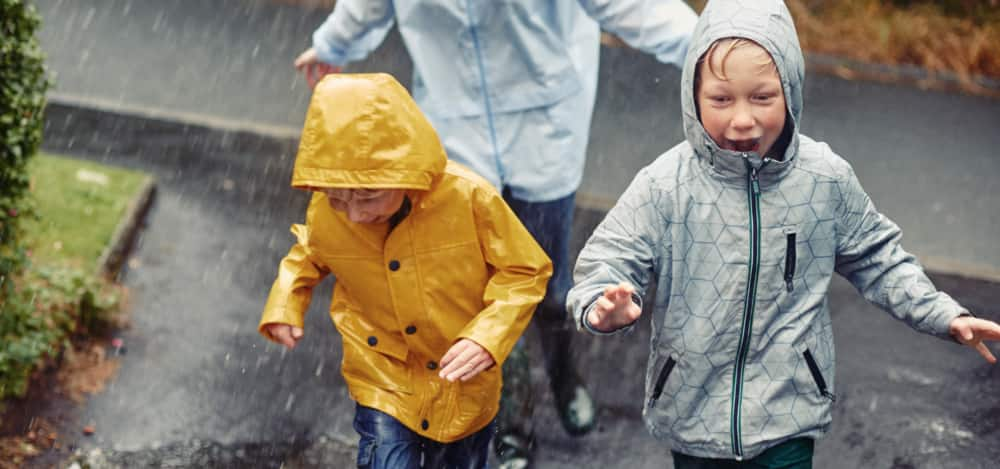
{"points": [[365, 205], [744, 109]]}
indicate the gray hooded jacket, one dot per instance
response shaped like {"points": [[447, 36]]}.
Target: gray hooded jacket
{"points": [[741, 250]]}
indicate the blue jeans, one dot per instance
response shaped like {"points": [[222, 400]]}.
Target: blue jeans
{"points": [[550, 223], [387, 444]]}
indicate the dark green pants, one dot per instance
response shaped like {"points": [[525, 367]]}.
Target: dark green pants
{"points": [[792, 454]]}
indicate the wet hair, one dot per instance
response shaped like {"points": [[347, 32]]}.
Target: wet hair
{"points": [[726, 46]]}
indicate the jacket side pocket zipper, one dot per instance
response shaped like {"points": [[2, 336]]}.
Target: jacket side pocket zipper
{"points": [[789, 260], [661, 380], [817, 376]]}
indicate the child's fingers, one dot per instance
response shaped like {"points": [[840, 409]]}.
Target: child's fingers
{"points": [[482, 366], [604, 305], [463, 363], [987, 330], [476, 364], [297, 333], [283, 334], [448, 357], [985, 352]]}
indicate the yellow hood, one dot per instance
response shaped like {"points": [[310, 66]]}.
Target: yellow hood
{"points": [[364, 130]]}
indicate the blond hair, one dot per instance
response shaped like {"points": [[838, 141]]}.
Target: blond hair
{"points": [[726, 46]]}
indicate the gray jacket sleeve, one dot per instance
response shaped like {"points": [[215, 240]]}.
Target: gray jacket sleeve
{"points": [[870, 256], [621, 249]]}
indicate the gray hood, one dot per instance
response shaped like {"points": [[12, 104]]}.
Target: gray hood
{"points": [[768, 23]]}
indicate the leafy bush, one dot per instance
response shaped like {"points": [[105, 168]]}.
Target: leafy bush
{"points": [[23, 83], [50, 305], [22, 98]]}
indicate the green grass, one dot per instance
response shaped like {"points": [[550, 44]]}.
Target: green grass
{"points": [[79, 205]]}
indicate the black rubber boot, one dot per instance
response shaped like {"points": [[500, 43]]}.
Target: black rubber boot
{"points": [[576, 408], [514, 440]]}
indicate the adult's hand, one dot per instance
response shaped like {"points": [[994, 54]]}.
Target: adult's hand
{"points": [[309, 64]]}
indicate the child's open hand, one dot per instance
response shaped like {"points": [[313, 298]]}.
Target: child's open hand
{"points": [[308, 63], [973, 331], [615, 309], [464, 360], [285, 334]]}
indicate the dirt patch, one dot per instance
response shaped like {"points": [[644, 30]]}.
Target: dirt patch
{"points": [[39, 430]]}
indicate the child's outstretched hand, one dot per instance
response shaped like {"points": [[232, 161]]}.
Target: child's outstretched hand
{"points": [[973, 331], [285, 334], [464, 360], [308, 63], [615, 309]]}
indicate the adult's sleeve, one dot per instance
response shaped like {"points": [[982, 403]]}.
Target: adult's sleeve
{"points": [[662, 28], [353, 30]]}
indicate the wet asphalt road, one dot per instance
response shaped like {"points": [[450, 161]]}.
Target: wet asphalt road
{"points": [[199, 388]]}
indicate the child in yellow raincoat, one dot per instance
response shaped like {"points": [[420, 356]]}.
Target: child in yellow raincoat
{"points": [[435, 276]]}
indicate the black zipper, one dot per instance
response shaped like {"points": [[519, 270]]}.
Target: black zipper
{"points": [[789, 260], [661, 380], [746, 329], [817, 376]]}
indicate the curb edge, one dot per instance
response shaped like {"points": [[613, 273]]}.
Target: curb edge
{"points": [[115, 253]]}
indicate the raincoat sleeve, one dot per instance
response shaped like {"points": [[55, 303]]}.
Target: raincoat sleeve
{"points": [[870, 256], [621, 249], [662, 28], [353, 30], [521, 271], [291, 292]]}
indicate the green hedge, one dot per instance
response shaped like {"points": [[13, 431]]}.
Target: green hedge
{"points": [[23, 82]]}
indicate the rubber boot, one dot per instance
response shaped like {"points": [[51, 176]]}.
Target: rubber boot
{"points": [[577, 410], [514, 440]]}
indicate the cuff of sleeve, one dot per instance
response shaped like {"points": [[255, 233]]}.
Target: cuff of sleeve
{"points": [[326, 53], [280, 317], [947, 324], [585, 324]]}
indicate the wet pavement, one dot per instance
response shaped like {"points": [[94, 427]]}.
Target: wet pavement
{"points": [[199, 388]]}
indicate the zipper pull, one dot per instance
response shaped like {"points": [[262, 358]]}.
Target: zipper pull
{"points": [[754, 182]]}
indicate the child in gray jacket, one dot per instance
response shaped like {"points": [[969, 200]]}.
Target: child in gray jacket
{"points": [[741, 227]]}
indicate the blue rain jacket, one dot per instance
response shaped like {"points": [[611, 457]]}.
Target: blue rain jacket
{"points": [[741, 250], [508, 85]]}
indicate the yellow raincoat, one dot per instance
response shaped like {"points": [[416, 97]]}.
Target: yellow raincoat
{"points": [[459, 265]]}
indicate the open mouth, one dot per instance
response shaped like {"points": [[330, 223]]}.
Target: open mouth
{"points": [[743, 146]]}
